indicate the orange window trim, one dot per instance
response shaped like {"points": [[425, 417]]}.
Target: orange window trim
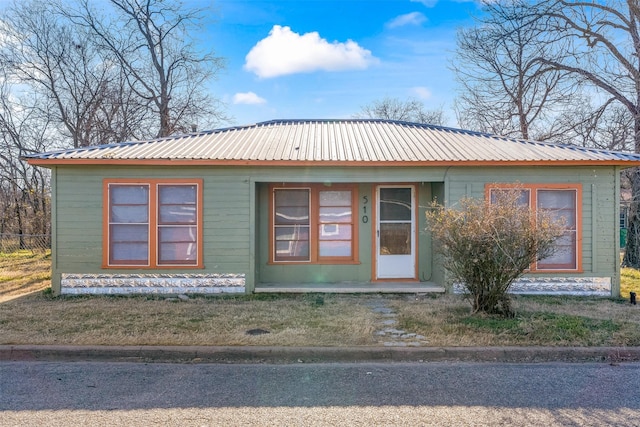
{"points": [[153, 214], [314, 223], [533, 203]]}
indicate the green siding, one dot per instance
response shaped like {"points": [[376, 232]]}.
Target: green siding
{"points": [[599, 207], [235, 227], [78, 213]]}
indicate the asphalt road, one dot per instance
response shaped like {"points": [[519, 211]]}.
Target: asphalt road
{"points": [[412, 394]]}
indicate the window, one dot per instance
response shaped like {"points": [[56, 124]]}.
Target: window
{"points": [[563, 202], [313, 224], [153, 223], [292, 224], [562, 205], [129, 224]]}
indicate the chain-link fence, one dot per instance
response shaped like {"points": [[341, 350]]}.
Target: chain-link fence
{"points": [[30, 242]]}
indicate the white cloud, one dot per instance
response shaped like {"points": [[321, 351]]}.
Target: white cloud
{"points": [[426, 3], [421, 92], [413, 18], [248, 98], [284, 52]]}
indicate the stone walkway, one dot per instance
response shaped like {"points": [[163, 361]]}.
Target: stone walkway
{"points": [[387, 332]]}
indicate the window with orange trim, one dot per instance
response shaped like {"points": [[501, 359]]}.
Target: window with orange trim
{"points": [[313, 224], [153, 223], [562, 202]]}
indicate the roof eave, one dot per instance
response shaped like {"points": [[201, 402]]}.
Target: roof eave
{"points": [[326, 163]]}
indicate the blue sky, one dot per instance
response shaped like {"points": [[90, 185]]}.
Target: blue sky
{"points": [[326, 59]]}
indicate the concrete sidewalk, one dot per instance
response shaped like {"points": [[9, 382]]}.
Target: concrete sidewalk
{"points": [[251, 354]]}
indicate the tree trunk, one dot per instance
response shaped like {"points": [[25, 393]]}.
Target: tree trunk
{"points": [[632, 249], [20, 229]]}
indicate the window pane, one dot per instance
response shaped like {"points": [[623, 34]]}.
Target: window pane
{"points": [[395, 239], [131, 252], [129, 194], [177, 234], [177, 214], [130, 214], [557, 199], [395, 204], [565, 256], [335, 214], [177, 253], [335, 248], [298, 197], [287, 251], [292, 215], [568, 217], [523, 197], [335, 198], [335, 232], [129, 233], [292, 233], [177, 194]]}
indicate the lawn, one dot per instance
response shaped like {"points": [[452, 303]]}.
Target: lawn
{"points": [[629, 282], [29, 314], [24, 272]]}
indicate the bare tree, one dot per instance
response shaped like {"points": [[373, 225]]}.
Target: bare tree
{"points": [[72, 78], [504, 90], [24, 191], [527, 66], [61, 63], [608, 127], [150, 40], [604, 52], [411, 110]]}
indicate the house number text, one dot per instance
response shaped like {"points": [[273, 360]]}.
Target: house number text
{"points": [[365, 218]]}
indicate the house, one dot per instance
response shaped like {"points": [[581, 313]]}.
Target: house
{"points": [[314, 205]]}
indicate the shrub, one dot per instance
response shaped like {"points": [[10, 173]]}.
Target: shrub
{"points": [[487, 244]]}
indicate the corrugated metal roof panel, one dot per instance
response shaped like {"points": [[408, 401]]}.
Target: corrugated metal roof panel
{"points": [[340, 141]]}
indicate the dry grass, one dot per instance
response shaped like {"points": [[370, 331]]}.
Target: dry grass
{"points": [[291, 321], [540, 320], [24, 272], [299, 320]]}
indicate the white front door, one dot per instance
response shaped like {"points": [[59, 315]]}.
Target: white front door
{"points": [[395, 232]]}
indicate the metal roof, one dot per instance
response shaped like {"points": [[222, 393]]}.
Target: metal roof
{"points": [[347, 142]]}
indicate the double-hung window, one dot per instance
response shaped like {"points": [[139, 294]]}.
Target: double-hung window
{"points": [[153, 223], [562, 202], [313, 224]]}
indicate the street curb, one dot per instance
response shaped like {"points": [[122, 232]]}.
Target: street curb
{"points": [[282, 355]]}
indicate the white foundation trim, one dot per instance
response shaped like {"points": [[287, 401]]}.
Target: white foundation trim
{"points": [[587, 286], [123, 284]]}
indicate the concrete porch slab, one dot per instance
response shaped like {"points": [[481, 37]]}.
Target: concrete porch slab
{"points": [[351, 287]]}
